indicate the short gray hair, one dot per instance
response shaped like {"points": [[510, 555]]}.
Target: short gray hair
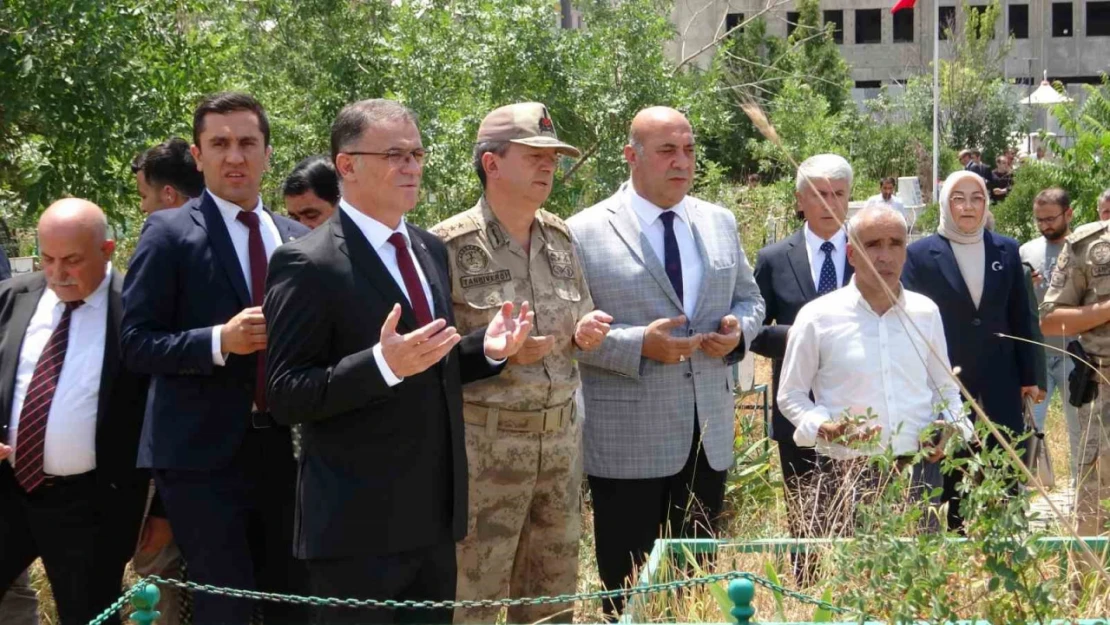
{"points": [[497, 147], [824, 167], [1104, 196], [356, 117], [874, 212]]}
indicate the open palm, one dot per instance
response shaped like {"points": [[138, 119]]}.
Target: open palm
{"points": [[506, 333]]}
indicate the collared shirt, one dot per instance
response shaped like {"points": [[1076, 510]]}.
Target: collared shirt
{"points": [[377, 234], [70, 445], [854, 361], [817, 257], [652, 227], [240, 240], [490, 268]]}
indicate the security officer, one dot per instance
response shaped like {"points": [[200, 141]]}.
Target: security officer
{"points": [[522, 432], [1078, 303]]}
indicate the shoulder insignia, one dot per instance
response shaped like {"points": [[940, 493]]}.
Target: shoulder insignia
{"points": [[456, 226], [1087, 230]]}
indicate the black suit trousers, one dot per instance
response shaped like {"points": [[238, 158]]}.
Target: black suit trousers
{"points": [[419, 574], [630, 514], [66, 524], [235, 528]]}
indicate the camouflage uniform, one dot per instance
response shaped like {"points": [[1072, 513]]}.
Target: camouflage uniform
{"points": [[1082, 277], [522, 434]]}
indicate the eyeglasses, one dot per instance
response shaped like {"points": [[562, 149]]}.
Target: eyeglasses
{"points": [[959, 200], [397, 158], [1044, 221]]}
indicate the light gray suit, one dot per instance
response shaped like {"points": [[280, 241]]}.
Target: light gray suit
{"points": [[639, 413]]}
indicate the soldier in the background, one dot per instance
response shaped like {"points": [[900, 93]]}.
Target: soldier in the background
{"points": [[522, 430], [1077, 303]]}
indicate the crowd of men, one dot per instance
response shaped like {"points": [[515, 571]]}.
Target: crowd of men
{"points": [[344, 404]]}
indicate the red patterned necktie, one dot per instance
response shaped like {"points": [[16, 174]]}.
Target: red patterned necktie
{"points": [[31, 436], [412, 280], [258, 263]]}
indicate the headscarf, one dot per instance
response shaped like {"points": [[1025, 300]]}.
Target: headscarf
{"points": [[947, 227]]}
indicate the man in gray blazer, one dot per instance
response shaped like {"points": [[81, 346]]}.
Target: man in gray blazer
{"points": [[658, 394]]}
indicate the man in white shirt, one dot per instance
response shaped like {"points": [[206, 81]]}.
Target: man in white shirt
{"points": [[70, 416], [887, 197], [862, 355]]}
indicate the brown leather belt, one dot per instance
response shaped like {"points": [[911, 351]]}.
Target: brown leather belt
{"points": [[535, 421]]}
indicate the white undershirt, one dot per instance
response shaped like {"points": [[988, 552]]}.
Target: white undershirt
{"points": [[817, 257]]}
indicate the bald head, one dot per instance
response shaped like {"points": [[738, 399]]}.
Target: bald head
{"points": [[74, 246], [660, 155]]}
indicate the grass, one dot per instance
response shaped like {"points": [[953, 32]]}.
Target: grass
{"points": [[755, 509]]}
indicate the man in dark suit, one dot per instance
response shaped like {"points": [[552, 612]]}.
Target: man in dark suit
{"points": [[193, 320], [364, 355], [70, 416], [971, 160], [790, 273], [5, 266]]}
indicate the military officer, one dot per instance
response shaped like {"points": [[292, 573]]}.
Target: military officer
{"points": [[522, 431], [1078, 303]]}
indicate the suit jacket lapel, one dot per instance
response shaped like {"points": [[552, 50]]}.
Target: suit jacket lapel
{"points": [[432, 272], [627, 225], [354, 244], [23, 308], [995, 258], [703, 288], [110, 365], [282, 226], [798, 257], [208, 216], [945, 259], [848, 271]]}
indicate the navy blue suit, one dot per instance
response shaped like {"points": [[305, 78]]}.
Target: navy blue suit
{"points": [[227, 484], [993, 368]]}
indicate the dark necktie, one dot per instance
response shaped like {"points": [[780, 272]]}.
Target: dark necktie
{"points": [[412, 280], [31, 436], [826, 283], [672, 260], [256, 252]]}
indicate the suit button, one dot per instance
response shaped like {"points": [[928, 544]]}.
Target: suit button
{"points": [[689, 374], [976, 322]]}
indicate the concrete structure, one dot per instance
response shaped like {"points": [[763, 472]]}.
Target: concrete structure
{"points": [[1075, 52]]}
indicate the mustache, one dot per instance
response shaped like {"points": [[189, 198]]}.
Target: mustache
{"points": [[69, 282]]}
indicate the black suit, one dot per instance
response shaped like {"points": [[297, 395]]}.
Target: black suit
{"points": [[84, 527], [225, 476], [982, 170], [5, 265], [785, 279], [383, 478]]}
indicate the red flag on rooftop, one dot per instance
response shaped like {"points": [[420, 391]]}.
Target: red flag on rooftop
{"points": [[902, 4]]}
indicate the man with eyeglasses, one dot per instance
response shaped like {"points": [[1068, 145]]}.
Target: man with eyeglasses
{"points": [[365, 354], [522, 427], [1052, 213]]}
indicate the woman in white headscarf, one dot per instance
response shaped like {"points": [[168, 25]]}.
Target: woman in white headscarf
{"points": [[975, 277]]}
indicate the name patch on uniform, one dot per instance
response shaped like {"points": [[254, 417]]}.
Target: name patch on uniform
{"points": [[1059, 279], [562, 263], [1100, 253], [485, 279], [472, 259], [1098, 271]]}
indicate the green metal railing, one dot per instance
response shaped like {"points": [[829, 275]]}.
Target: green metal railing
{"points": [[144, 595]]}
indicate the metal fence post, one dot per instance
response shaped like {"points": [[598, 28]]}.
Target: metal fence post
{"points": [[144, 602], [742, 591]]}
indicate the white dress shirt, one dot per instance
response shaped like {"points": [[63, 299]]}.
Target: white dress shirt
{"points": [[894, 202], [377, 234], [817, 257], [652, 227], [853, 360], [240, 239], [70, 444]]}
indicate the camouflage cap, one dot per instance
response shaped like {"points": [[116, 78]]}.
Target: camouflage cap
{"points": [[526, 123]]}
